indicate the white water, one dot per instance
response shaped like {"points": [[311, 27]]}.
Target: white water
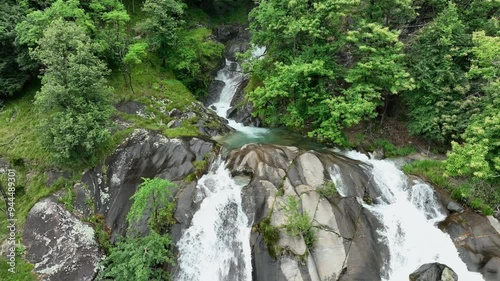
{"points": [[216, 246], [232, 76], [409, 213]]}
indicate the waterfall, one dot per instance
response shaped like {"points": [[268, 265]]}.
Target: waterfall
{"points": [[409, 212], [232, 76], [216, 245]]}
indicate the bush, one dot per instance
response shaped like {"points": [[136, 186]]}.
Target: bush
{"points": [[328, 190], [271, 237], [139, 259], [298, 223], [390, 150]]}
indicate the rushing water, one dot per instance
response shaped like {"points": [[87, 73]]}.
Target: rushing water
{"points": [[216, 246], [409, 212]]}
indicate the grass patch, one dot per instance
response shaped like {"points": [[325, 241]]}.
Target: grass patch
{"points": [[298, 223], [390, 150], [479, 195], [23, 271], [19, 138]]}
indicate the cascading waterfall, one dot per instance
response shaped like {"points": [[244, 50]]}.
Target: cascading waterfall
{"points": [[232, 76], [409, 213], [216, 245]]}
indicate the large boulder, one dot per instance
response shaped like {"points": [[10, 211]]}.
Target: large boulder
{"points": [[477, 240], [346, 245], [144, 154], [434, 272], [59, 245]]}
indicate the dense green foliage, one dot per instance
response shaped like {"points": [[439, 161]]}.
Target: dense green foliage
{"points": [[439, 107], [322, 73], [74, 91], [479, 155], [154, 196], [139, 259], [145, 257]]}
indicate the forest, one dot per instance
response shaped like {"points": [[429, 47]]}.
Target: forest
{"points": [[333, 71]]}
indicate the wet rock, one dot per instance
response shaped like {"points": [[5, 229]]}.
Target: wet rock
{"points": [[434, 272], [214, 90], [454, 207], [59, 245], [477, 241]]}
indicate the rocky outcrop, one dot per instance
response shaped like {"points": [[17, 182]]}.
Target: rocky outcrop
{"points": [[143, 154], [60, 246], [477, 239], [434, 272], [194, 114], [346, 245]]}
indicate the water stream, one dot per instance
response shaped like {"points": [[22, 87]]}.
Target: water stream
{"points": [[409, 212], [216, 245]]}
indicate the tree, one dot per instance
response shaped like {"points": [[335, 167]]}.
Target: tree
{"points": [[479, 155], [325, 68], [12, 77], [74, 92], [31, 29], [163, 24], [139, 259], [154, 195], [440, 105]]}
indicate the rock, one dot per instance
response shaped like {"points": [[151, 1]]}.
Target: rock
{"points": [[54, 175], [174, 112], [143, 154], [454, 207], [4, 165], [434, 272], [477, 241], [235, 46], [214, 90], [294, 244], [224, 33], [59, 245], [347, 245], [378, 154], [84, 204], [131, 107], [174, 124], [312, 169]]}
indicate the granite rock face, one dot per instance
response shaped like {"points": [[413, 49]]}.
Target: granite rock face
{"points": [[144, 154], [346, 245], [59, 245]]}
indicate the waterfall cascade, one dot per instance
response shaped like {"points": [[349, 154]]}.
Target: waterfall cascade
{"points": [[409, 212], [216, 245]]}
